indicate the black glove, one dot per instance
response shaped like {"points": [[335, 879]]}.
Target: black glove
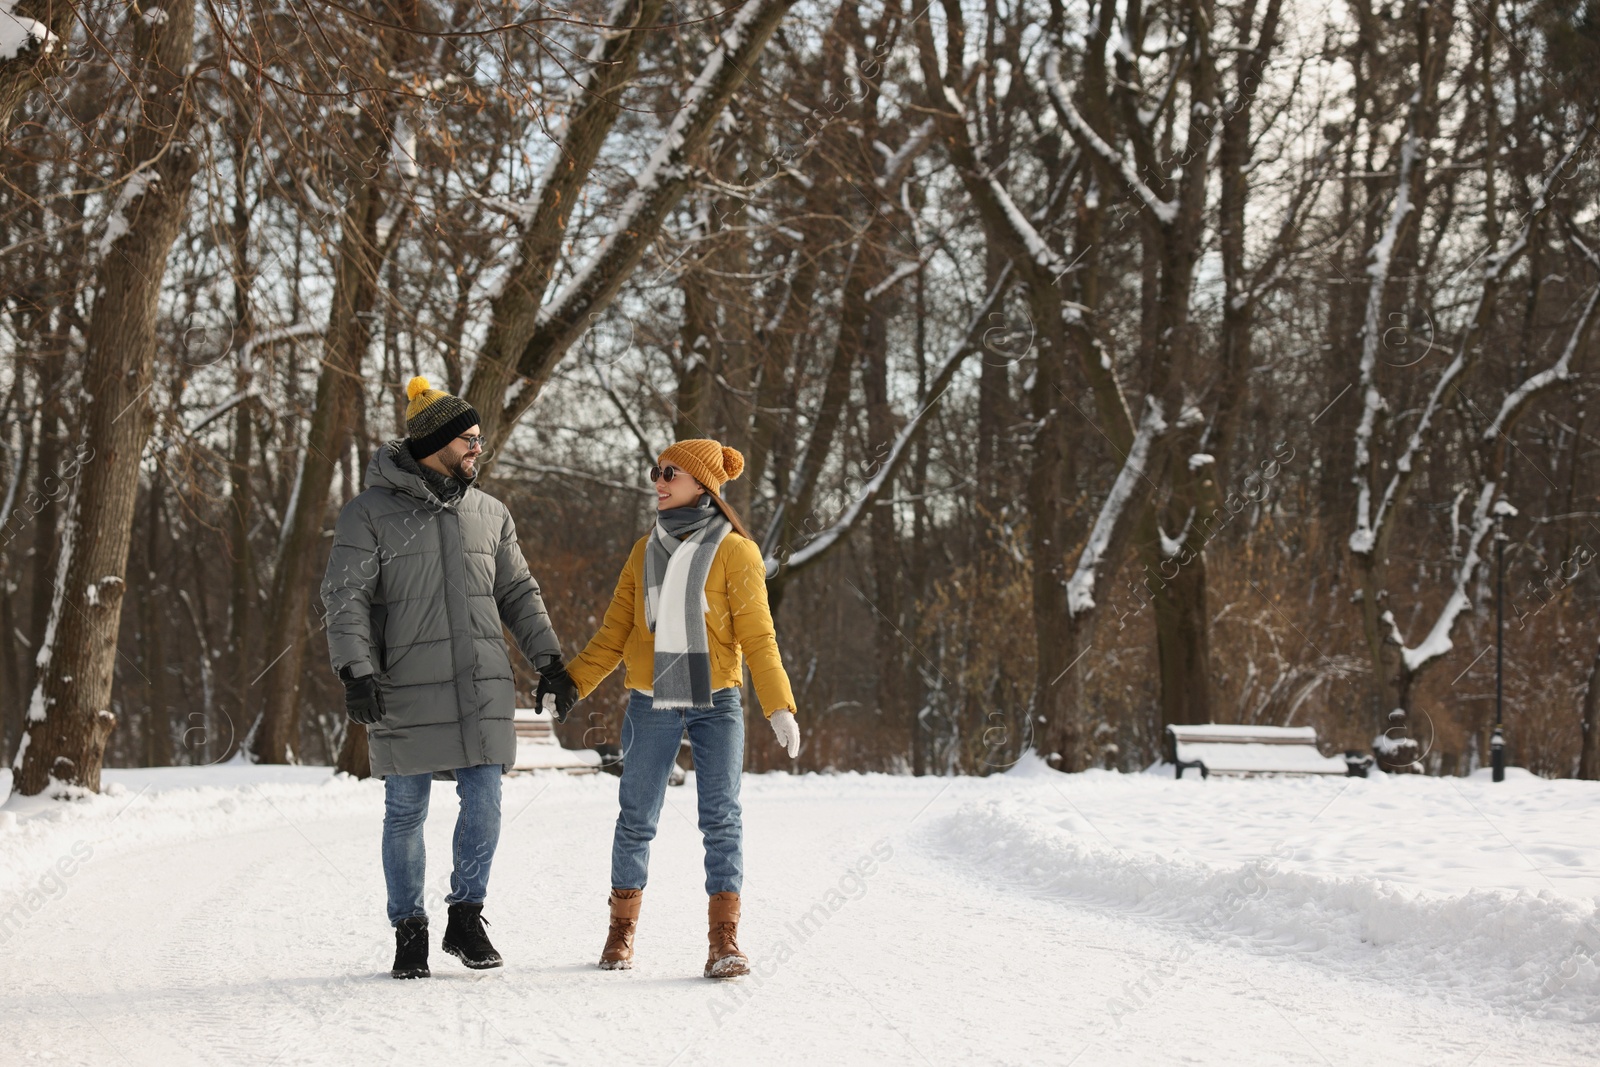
{"points": [[363, 700], [554, 679]]}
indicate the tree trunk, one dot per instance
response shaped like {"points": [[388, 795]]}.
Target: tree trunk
{"points": [[1589, 757], [12, 489], [243, 601], [916, 695], [152, 652], [69, 716], [779, 358], [1389, 300], [47, 520], [888, 570], [1059, 719], [276, 737], [10, 677], [698, 339], [355, 758], [1183, 645], [1394, 748], [1000, 350], [1178, 582], [1175, 586]]}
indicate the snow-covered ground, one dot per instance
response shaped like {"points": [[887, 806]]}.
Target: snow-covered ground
{"points": [[234, 915]]}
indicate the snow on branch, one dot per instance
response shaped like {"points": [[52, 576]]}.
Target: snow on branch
{"points": [[586, 86], [19, 31], [1038, 250], [272, 337], [667, 162], [1364, 536], [524, 211], [1493, 275], [218, 410], [588, 116], [1083, 133], [1561, 372], [1438, 643], [960, 349], [898, 275], [135, 186], [899, 164], [562, 319], [1080, 587], [1497, 263]]}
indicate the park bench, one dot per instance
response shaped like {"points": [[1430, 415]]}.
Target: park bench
{"points": [[1251, 751], [538, 749]]}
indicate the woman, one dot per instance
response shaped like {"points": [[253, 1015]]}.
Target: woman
{"points": [[692, 597]]}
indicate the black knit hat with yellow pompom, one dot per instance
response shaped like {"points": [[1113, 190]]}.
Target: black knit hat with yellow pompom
{"points": [[434, 418]]}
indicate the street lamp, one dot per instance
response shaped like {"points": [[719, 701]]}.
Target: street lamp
{"points": [[1497, 740]]}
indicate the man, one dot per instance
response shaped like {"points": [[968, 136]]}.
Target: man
{"points": [[424, 571]]}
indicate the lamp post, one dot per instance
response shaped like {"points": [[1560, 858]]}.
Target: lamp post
{"points": [[1497, 740]]}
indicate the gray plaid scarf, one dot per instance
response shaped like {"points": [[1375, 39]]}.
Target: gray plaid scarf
{"points": [[677, 560]]}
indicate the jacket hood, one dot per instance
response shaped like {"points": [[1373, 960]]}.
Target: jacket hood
{"points": [[392, 467]]}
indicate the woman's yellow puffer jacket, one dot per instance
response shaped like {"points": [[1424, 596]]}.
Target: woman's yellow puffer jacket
{"points": [[738, 621]]}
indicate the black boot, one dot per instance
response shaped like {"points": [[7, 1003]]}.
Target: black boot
{"points": [[465, 939], [411, 948]]}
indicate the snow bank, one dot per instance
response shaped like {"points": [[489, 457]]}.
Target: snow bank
{"points": [[1458, 888], [141, 808]]}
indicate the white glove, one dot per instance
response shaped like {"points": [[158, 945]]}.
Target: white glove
{"points": [[787, 730]]}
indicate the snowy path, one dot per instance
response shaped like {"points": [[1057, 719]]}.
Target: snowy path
{"points": [[244, 925]]}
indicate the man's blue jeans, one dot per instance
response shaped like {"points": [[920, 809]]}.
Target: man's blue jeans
{"points": [[405, 807], [650, 739]]}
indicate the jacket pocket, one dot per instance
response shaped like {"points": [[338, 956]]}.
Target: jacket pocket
{"points": [[378, 619], [724, 660], [393, 652]]}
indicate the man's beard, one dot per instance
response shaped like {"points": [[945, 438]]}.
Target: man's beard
{"points": [[460, 469]]}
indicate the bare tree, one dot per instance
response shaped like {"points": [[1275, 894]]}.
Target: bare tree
{"points": [[373, 169], [69, 717], [502, 390]]}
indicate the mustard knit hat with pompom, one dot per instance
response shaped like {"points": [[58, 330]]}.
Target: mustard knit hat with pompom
{"points": [[711, 463], [434, 418]]}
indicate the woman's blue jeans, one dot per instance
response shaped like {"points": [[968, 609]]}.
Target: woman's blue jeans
{"points": [[405, 808], [650, 739]]}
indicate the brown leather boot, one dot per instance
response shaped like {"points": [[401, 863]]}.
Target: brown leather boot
{"points": [[618, 954], [725, 960]]}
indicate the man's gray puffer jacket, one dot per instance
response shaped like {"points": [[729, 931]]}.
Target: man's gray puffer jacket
{"points": [[416, 590]]}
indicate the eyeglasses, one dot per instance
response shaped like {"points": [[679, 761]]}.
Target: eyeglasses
{"points": [[667, 473], [473, 440]]}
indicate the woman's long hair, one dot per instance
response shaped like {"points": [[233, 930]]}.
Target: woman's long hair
{"points": [[727, 510]]}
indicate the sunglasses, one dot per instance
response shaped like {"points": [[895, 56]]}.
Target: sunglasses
{"points": [[667, 473]]}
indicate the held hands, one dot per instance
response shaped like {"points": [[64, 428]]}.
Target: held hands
{"points": [[558, 684], [787, 731], [363, 701]]}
